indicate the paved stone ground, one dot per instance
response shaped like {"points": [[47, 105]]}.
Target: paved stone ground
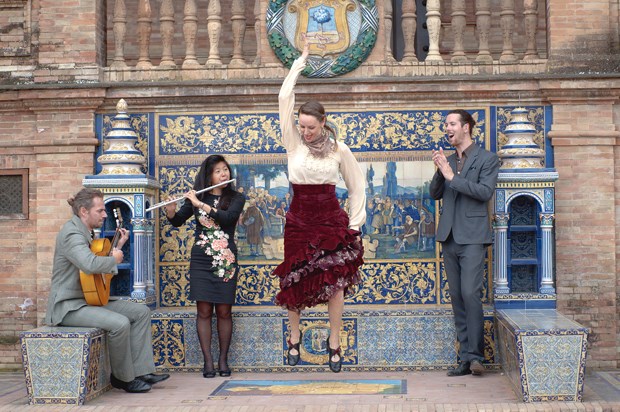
{"points": [[426, 391]]}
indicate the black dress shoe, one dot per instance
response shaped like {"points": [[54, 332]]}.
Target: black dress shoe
{"points": [[476, 367], [135, 386], [153, 378], [462, 369], [225, 373], [293, 359]]}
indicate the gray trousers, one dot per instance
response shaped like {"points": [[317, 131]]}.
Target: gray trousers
{"points": [[465, 271], [129, 335]]}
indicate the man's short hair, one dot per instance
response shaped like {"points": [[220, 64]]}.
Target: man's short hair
{"points": [[465, 118]]}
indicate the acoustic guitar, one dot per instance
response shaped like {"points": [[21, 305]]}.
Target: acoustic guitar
{"points": [[96, 286]]}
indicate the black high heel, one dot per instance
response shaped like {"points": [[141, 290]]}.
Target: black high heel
{"points": [[226, 373], [293, 359], [206, 373], [337, 365]]}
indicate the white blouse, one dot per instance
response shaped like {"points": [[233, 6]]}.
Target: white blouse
{"points": [[304, 168]]}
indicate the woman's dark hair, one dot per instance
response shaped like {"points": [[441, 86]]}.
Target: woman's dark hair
{"points": [[83, 199], [316, 109], [465, 118], [203, 180]]}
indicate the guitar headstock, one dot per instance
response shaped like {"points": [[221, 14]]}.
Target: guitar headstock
{"points": [[118, 217]]}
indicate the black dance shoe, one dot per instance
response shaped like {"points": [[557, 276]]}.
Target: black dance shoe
{"points": [[153, 378], [462, 369], [208, 373], [293, 359], [334, 366], [135, 386]]}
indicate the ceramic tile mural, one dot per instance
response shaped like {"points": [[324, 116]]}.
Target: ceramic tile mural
{"points": [[370, 340], [402, 278], [394, 150]]}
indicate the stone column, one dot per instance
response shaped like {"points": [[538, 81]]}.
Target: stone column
{"points": [[546, 282], [388, 12], [144, 34], [140, 259], [433, 21], [530, 21], [120, 26], [458, 29], [507, 21], [166, 25], [190, 28], [500, 251], [214, 27], [150, 244], [483, 28], [238, 33], [409, 28]]}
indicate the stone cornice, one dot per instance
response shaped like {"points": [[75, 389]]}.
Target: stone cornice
{"points": [[61, 104], [584, 91]]}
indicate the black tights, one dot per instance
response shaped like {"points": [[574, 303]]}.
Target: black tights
{"points": [[224, 331]]}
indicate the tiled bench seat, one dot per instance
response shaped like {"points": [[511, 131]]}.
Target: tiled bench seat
{"points": [[379, 339], [543, 354], [65, 365]]}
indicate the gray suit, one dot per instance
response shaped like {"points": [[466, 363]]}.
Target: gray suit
{"points": [[128, 324], [464, 232]]}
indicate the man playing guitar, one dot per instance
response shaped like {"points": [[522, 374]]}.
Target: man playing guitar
{"points": [[128, 324]]}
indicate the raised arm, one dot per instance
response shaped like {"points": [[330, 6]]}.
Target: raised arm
{"points": [[286, 101]]}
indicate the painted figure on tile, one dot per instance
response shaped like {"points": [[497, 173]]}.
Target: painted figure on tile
{"points": [[128, 324], [253, 222], [322, 246], [213, 264], [370, 247], [377, 217], [427, 231], [408, 237], [465, 182], [388, 216]]}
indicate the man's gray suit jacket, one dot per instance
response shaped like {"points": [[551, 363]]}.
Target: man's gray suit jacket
{"points": [[72, 253], [464, 209]]}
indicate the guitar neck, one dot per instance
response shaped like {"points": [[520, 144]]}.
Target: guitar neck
{"points": [[116, 238], [119, 225]]}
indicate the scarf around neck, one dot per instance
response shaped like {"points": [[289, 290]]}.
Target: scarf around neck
{"points": [[321, 146]]}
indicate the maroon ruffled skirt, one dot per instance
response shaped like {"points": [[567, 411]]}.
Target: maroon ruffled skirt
{"points": [[321, 254]]}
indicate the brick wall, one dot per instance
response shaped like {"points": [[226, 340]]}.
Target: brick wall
{"points": [[67, 32], [51, 134], [50, 131], [584, 138]]}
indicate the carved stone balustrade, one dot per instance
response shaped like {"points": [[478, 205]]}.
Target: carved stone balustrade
{"points": [[226, 39]]}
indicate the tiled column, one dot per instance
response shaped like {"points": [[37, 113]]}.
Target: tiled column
{"points": [[500, 251], [140, 259], [546, 225]]}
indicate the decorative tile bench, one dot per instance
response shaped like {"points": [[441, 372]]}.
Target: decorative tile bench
{"points": [[65, 365], [543, 353]]}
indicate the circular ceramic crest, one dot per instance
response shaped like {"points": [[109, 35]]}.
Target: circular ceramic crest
{"points": [[341, 34]]}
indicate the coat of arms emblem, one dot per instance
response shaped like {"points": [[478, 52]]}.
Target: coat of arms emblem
{"points": [[341, 33]]}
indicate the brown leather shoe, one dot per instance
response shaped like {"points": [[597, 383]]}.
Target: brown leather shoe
{"points": [[476, 367], [462, 369]]}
